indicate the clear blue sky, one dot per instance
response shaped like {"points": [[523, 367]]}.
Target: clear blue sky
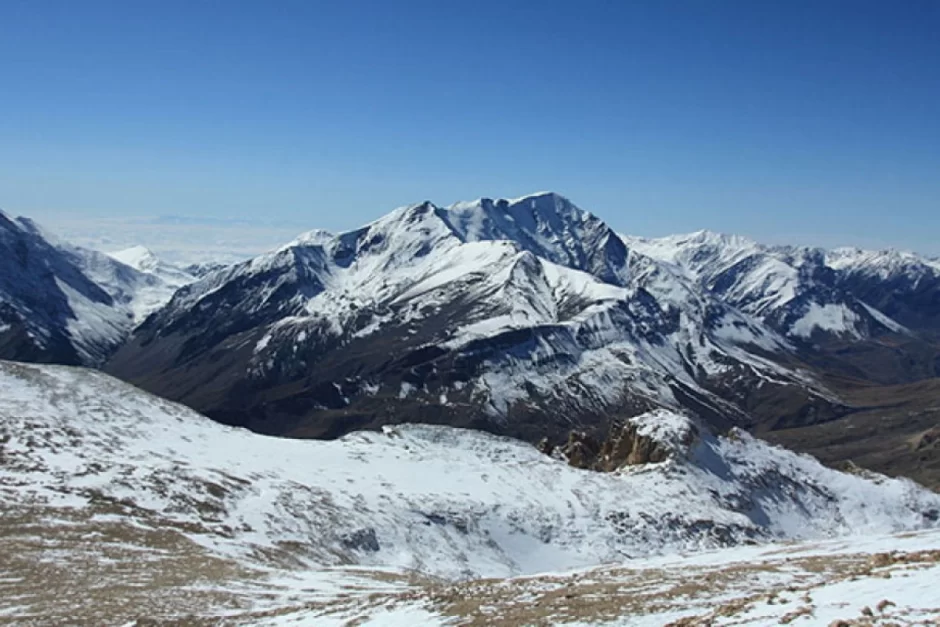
{"points": [[813, 121]]}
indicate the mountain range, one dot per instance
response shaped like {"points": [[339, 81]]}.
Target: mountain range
{"points": [[528, 318], [496, 412]]}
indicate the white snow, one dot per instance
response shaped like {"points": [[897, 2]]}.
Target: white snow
{"points": [[837, 319], [445, 501], [665, 427], [441, 501], [885, 320]]}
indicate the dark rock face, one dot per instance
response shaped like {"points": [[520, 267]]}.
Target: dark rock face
{"points": [[363, 540]]}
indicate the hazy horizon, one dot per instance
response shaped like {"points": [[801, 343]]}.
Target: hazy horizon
{"points": [[815, 123], [192, 239]]}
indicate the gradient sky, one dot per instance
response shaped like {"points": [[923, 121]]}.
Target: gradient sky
{"points": [[813, 122]]}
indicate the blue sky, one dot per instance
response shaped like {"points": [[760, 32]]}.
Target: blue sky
{"points": [[813, 122]]}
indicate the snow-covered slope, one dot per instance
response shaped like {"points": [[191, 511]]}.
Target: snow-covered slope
{"points": [[444, 501]]}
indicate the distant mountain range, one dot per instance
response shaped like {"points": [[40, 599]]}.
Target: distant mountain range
{"points": [[528, 317]]}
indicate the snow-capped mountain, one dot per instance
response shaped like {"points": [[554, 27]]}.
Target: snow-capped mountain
{"points": [[527, 317], [161, 281], [809, 292], [65, 304], [142, 259]]}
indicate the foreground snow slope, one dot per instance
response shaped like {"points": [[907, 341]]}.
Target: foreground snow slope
{"points": [[880, 580], [443, 501]]}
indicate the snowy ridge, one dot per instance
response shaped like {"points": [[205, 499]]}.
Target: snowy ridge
{"points": [[444, 501], [797, 290], [884, 263]]}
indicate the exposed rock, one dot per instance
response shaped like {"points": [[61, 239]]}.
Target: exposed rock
{"points": [[928, 439], [362, 540], [581, 450], [651, 438]]}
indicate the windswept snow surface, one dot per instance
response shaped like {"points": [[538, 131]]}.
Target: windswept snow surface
{"points": [[443, 501], [104, 487]]}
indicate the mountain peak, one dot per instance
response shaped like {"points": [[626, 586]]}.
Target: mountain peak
{"points": [[137, 257], [716, 238], [537, 200], [316, 237], [543, 196]]}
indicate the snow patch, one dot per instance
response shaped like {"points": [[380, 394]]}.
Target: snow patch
{"points": [[832, 318]]}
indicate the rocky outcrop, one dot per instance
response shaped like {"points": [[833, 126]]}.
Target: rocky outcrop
{"points": [[651, 438]]}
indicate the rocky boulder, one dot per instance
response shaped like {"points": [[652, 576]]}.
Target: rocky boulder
{"points": [[649, 438]]}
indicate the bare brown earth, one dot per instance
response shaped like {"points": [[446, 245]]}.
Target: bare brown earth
{"points": [[82, 567], [89, 567], [892, 429]]}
